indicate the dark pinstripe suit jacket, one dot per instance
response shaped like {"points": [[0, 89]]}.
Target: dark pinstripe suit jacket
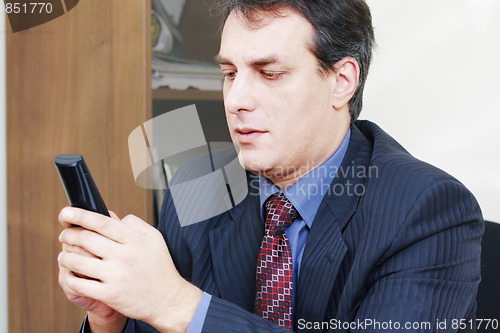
{"points": [[407, 250]]}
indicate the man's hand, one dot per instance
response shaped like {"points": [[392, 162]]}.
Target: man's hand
{"points": [[111, 267], [102, 317]]}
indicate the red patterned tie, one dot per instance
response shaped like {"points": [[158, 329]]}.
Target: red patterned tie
{"points": [[274, 264]]}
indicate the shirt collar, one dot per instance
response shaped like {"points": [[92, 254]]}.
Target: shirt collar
{"points": [[308, 192]]}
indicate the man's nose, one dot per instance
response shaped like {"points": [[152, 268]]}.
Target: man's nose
{"points": [[239, 94]]}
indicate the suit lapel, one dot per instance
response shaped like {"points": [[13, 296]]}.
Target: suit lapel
{"points": [[234, 248], [321, 260], [325, 248]]}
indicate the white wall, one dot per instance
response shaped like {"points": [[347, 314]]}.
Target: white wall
{"points": [[434, 85], [3, 184]]}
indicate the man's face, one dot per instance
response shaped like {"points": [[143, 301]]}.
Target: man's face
{"points": [[278, 104]]}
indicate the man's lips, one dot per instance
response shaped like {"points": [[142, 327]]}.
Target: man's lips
{"points": [[248, 135]]}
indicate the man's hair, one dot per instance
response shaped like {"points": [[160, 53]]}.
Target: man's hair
{"points": [[342, 28]]}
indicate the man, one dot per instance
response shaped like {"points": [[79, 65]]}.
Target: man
{"points": [[365, 237]]}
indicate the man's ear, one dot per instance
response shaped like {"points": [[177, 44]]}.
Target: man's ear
{"points": [[346, 74]]}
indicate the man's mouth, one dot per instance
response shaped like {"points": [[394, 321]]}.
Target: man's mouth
{"points": [[248, 135]]}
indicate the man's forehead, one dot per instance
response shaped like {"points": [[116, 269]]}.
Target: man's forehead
{"points": [[269, 38]]}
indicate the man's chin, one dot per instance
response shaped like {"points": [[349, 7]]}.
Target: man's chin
{"points": [[257, 163], [261, 170], [252, 166]]}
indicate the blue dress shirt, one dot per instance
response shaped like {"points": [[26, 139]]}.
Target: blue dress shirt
{"points": [[306, 196]]}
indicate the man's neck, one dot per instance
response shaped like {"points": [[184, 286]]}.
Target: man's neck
{"points": [[284, 181]]}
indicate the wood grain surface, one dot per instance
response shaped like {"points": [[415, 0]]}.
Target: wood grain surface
{"points": [[78, 84]]}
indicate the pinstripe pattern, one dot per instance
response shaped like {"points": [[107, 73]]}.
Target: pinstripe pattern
{"points": [[408, 249]]}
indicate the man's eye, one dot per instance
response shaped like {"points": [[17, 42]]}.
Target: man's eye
{"points": [[229, 75], [272, 75]]}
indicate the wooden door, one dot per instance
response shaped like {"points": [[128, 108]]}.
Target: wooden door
{"points": [[77, 84]]}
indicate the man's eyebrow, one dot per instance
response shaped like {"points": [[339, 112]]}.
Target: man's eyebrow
{"points": [[219, 60], [272, 59]]}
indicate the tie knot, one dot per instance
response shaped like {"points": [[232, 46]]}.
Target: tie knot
{"points": [[280, 213]]}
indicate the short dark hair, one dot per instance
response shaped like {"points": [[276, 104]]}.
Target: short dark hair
{"points": [[342, 28]]}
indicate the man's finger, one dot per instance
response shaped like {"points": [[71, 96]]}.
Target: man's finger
{"points": [[136, 223], [104, 225], [91, 243], [81, 265], [76, 286], [113, 215], [77, 250]]}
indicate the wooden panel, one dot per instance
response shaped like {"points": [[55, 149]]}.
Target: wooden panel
{"points": [[80, 83]]}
